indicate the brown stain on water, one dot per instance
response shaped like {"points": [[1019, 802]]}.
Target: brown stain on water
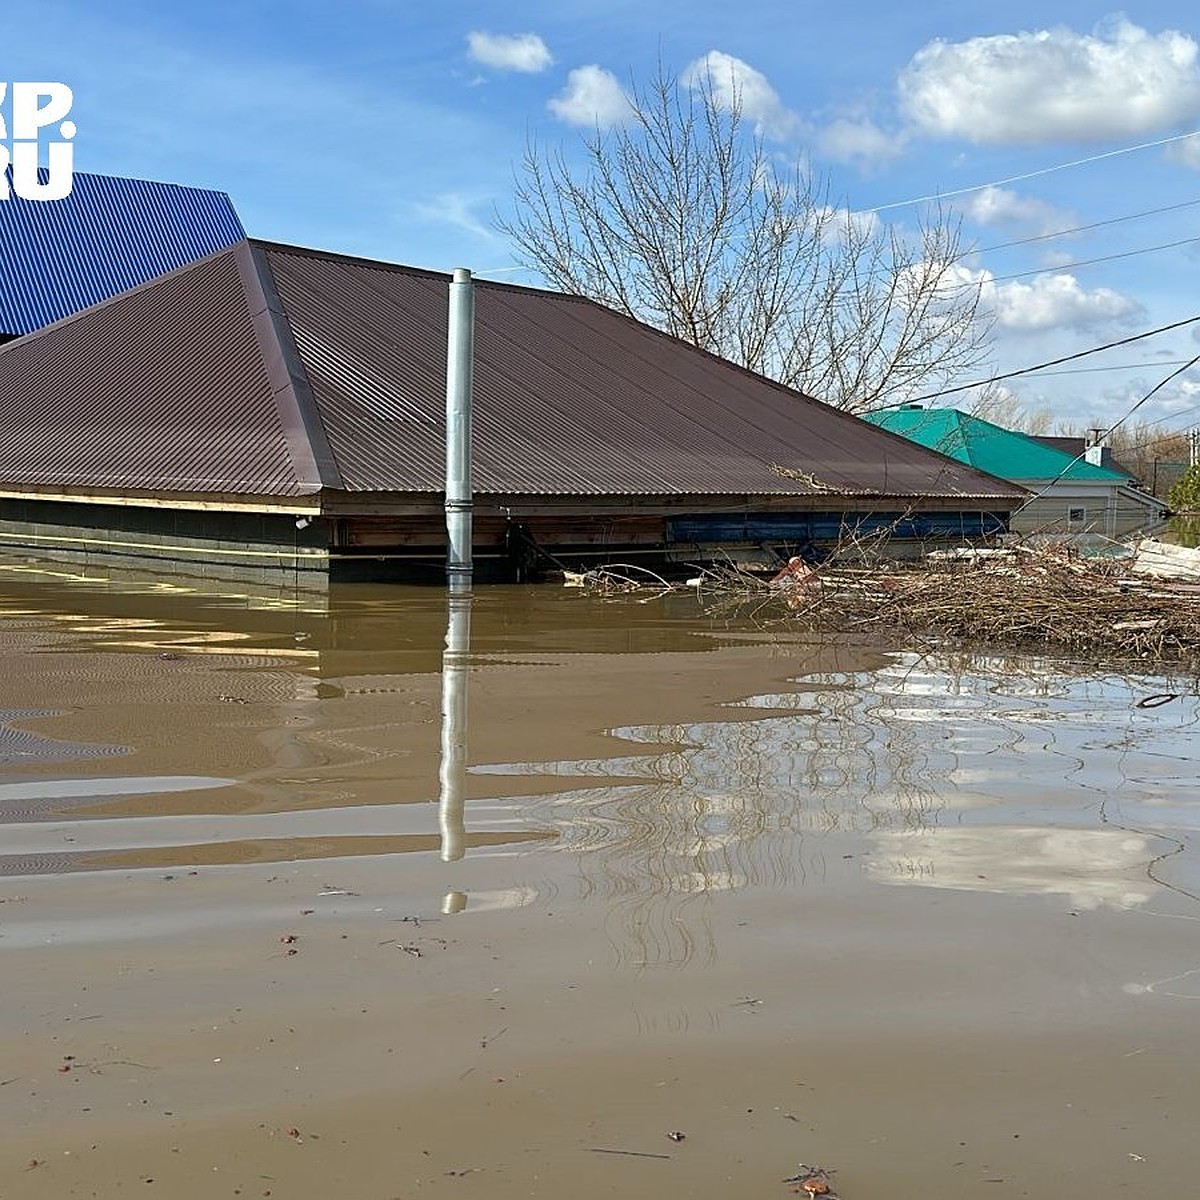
{"points": [[746, 929]]}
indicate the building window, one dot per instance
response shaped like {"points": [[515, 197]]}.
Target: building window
{"points": [[1076, 517]]}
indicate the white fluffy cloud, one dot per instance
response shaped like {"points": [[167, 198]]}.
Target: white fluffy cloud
{"points": [[839, 225], [509, 52], [859, 141], [735, 82], [593, 96], [1186, 152], [1055, 301], [1050, 301], [1054, 85], [1002, 206]]}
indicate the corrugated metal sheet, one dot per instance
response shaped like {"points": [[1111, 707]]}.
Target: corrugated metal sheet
{"points": [[571, 399], [109, 235], [276, 371], [1076, 447], [162, 389], [1003, 452]]}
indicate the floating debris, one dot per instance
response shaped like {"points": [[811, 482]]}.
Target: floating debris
{"points": [[628, 1153], [813, 1181], [1028, 596]]}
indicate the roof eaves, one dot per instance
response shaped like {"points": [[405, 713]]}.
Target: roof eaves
{"points": [[308, 444]]}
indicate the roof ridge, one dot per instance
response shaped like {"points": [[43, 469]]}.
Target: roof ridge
{"points": [[1074, 459], [308, 444], [382, 264], [196, 404], [308, 441], [962, 430]]}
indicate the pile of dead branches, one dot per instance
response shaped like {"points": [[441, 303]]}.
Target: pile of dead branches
{"points": [[1044, 600]]}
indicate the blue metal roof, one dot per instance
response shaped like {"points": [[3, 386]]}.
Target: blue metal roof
{"points": [[58, 257]]}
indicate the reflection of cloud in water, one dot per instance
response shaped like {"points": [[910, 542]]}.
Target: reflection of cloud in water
{"points": [[1093, 868], [1021, 777], [725, 805]]}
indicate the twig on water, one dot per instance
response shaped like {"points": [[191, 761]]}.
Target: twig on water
{"points": [[629, 1153]]}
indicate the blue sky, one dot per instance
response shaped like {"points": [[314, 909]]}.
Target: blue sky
{"points": [[384, 128]]}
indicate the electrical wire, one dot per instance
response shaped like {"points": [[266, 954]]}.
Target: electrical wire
{"points": [[974, 284], [1155, 389], [1046, 237], [1078, 162], [1168, 362], [1162, 383], [1054, 362], [1087, 262]]}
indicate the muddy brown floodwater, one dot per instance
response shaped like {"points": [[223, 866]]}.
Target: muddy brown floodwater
{"points": [[287, 910]]}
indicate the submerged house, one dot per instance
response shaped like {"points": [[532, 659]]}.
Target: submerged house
{"points": [[1070, 493], [272, 409]]}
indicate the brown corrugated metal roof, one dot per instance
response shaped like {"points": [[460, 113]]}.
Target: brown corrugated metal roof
{"points": [[163, 389], [570, 398], [277, 371]]}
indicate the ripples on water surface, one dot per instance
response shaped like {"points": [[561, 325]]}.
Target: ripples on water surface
{"points": [[146, 725]]}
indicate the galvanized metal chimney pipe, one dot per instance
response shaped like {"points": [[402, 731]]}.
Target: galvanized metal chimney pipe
{"points": [[460, 390]]}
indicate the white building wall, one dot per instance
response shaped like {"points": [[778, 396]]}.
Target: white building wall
{"points": [[1112, 510]]}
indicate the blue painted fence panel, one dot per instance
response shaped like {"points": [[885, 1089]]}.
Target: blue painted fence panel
{"points": [[829, 527]]}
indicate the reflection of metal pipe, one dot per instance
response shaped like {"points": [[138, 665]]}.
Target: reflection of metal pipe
{"points": [[453, 771], [460, 387]]}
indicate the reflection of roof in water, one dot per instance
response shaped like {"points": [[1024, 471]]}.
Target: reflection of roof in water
{"points": [[361, 629], [33, 799]]}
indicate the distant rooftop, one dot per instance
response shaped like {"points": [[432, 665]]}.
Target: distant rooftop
{"points": [[110, 234], [1075, 446], [987, 447]]}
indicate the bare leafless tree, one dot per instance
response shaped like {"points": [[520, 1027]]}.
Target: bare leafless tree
{"points": [[994, 402], [683, 218]]}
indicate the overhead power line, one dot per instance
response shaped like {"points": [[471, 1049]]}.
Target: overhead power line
{"points": [[1137, 366], [1087, 262], [972, 252], [1054, 362], [1162, 383], [1078, 162], [1046, 237]]}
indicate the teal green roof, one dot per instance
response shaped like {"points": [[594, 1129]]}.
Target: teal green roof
{"points": [[987, 447]]}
